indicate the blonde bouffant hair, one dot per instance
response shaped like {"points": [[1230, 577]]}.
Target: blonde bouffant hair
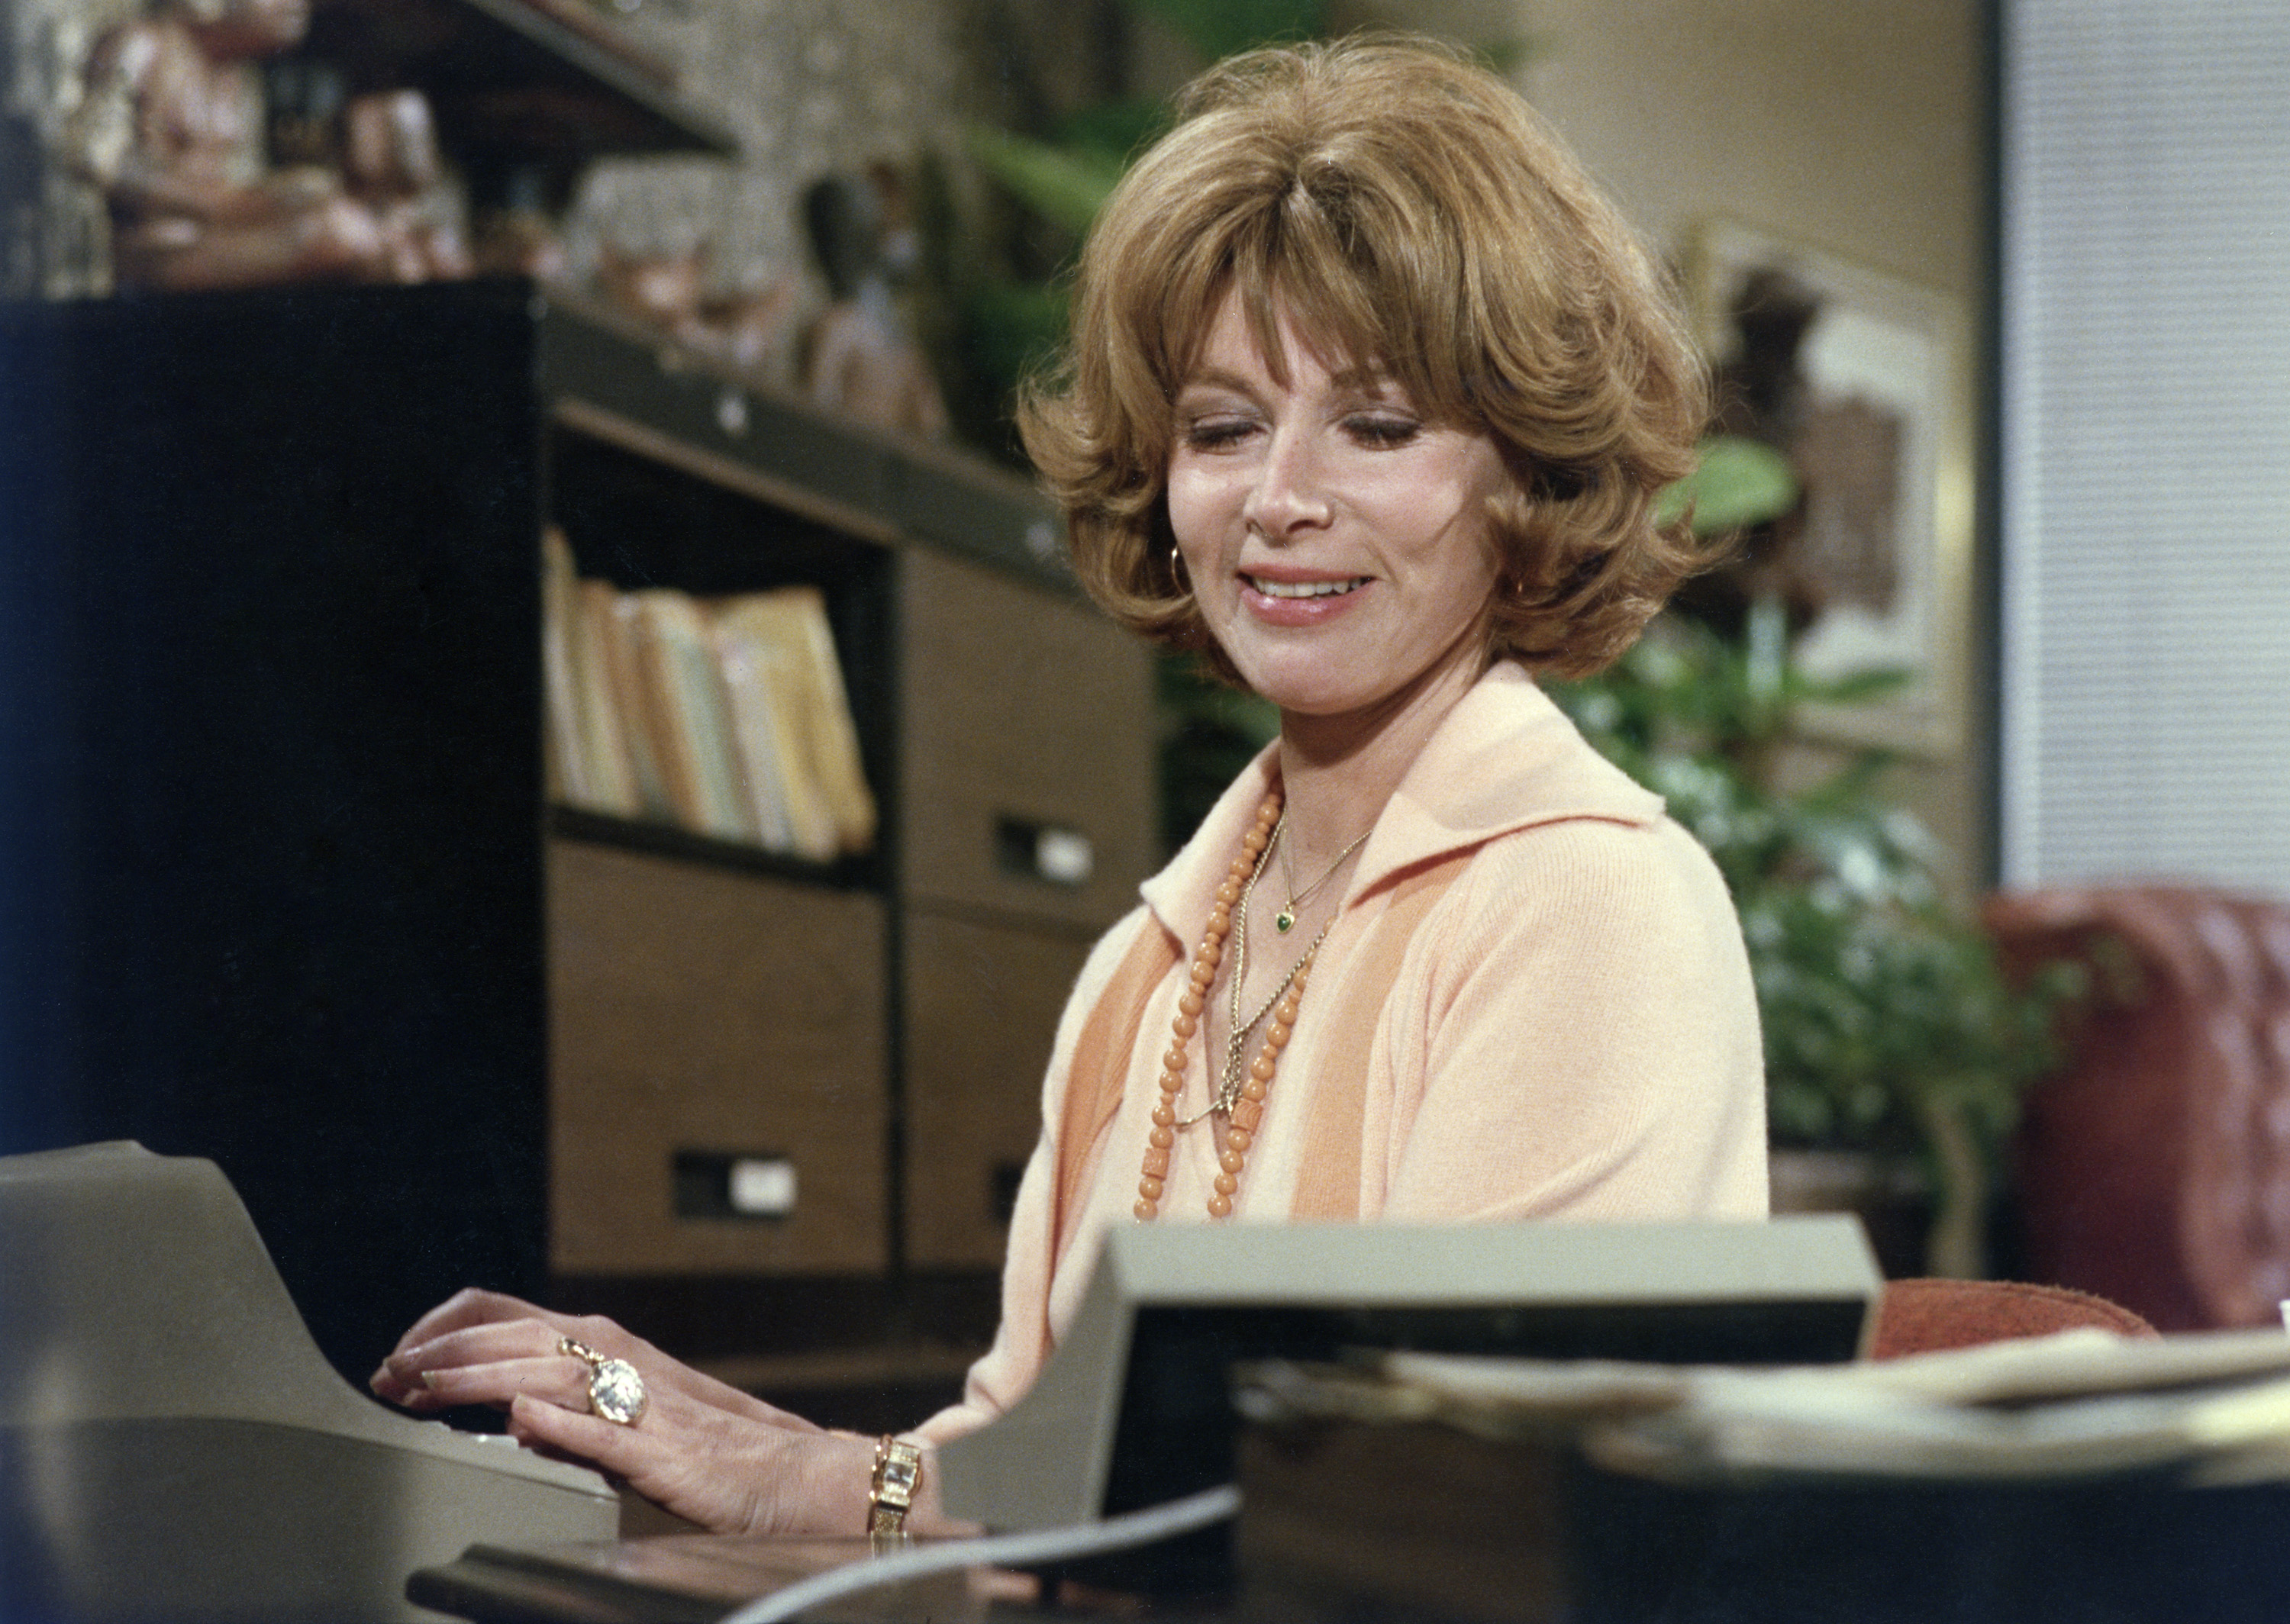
{"points": [[1411, 213]]}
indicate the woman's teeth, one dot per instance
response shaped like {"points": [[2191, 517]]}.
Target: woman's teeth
{"points": [[1305, 588]]}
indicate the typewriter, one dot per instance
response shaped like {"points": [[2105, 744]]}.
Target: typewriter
{"points": [[172, 1444]]}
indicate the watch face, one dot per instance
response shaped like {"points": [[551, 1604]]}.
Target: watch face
{"points": [[896, 1474]]}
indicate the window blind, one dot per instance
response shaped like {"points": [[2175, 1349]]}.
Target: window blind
{"points": [[2145, 442]]}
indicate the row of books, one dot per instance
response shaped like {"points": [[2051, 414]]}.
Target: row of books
{"points": [[725, 716]]}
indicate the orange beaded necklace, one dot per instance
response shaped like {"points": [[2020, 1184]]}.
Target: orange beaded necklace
{"points": [[1239, 1097]]}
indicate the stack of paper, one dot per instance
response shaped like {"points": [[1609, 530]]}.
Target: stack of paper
{"points": [[2214, 1406]]}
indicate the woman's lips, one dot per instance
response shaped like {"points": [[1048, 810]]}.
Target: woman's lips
{"points": [[1299, 602]]}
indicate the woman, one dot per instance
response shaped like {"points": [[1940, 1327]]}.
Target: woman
{"points": [[1369, 400]]}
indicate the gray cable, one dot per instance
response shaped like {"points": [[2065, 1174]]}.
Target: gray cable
{"points": [[1130, 1529]]}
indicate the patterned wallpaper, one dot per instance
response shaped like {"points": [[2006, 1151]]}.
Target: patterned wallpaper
{"points": [[52, 236], [809, 85]]}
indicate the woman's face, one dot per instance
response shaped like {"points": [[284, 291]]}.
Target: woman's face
{"points": [[1336, 541]]}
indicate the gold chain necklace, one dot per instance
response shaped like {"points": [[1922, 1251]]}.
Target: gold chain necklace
{"points": [[1236, 1040], [1284, 921]]}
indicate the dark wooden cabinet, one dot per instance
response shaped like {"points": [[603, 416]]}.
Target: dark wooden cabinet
{"points": [[285, 889], [1019, 725], [716, 1016]]}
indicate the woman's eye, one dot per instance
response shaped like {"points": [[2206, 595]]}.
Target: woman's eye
{"points": [[1216, 432], [1380, 429]]}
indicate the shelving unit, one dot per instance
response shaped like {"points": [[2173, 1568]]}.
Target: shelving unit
{"points": [[291, 897], [525, 91]]}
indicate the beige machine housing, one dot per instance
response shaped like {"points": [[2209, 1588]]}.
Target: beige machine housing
{"points": [[172, 1444], [1132, 1406]]}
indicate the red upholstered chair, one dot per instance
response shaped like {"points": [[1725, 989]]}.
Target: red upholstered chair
{"points": [[2154, 1169], [1916, 1317]]}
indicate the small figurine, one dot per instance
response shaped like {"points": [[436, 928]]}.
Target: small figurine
{"points": [[862, 361], [752, 328], [519, 236], [170, 128], [389, 146], [670, 291], [660, 289]]}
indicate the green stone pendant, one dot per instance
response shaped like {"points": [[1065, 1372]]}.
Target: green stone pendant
{"points": [[1284, 921]]}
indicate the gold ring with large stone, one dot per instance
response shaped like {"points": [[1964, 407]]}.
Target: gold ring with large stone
{"points": [[616, 1392]]}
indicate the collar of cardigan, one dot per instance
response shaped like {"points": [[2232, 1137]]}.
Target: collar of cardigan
{"points": [[1505, 758]]}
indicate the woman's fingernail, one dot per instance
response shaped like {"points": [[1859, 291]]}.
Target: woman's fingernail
{"points": [[429, 1379]]}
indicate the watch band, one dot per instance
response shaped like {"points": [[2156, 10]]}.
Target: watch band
{"points": [[897, 1473]]}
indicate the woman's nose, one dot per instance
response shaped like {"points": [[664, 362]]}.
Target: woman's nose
{"points": [[1290, 493]]}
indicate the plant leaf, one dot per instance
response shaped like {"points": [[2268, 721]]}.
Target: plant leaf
{"points": [[1118, 130], [1856, 687], [1015, 327], [1066, 187], [1738, 482], [1219, 27]]}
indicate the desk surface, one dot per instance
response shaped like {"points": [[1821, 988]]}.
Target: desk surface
{"points": [[697, 1578]]}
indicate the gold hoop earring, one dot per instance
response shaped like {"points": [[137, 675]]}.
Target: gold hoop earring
{"points": [[1177, 575]]}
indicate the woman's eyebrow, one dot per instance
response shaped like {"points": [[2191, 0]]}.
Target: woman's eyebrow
{"points": [[1215, 378], [1361, 374], [1365, 379]]}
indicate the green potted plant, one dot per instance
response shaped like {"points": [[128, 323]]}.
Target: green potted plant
{"points": [[1890, 1028]]}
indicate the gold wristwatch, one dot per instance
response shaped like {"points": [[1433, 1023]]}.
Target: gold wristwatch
{"points": [[897, 1473]]}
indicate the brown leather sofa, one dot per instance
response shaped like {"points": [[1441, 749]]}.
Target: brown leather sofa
{"points": [[1925, 1315], [2154, 1168]]}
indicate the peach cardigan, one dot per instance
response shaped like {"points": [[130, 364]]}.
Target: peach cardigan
{"points": [[1534, 1003]]}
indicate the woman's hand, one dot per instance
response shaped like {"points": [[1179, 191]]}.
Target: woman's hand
{"points": [[728, 1473], [705, 1451]]}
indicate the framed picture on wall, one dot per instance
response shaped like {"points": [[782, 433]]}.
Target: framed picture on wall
{"points": [[1862, 381]]}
